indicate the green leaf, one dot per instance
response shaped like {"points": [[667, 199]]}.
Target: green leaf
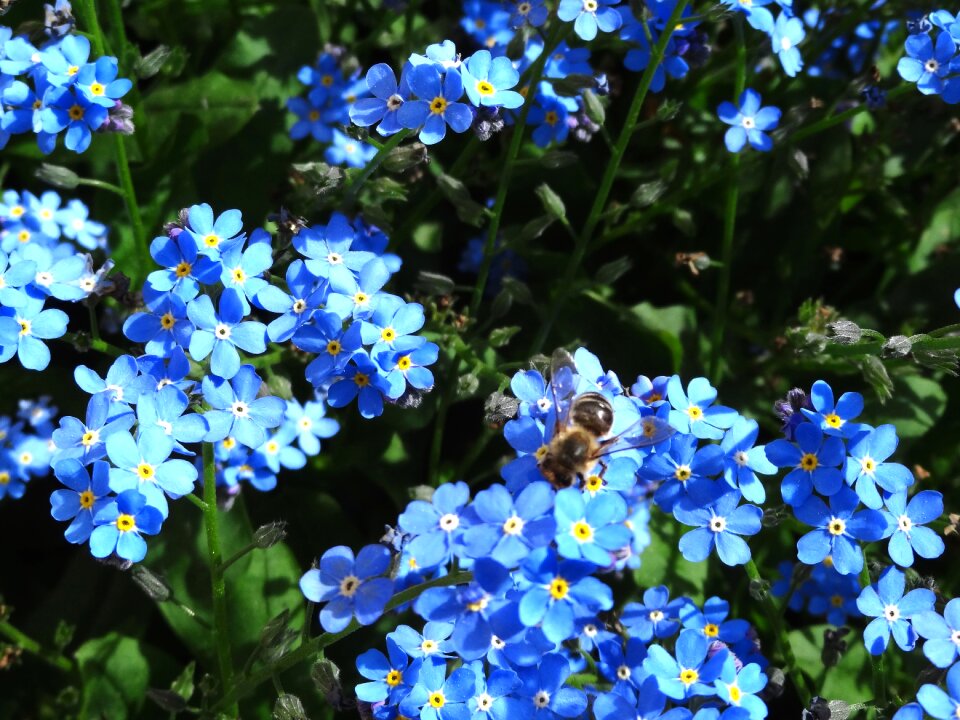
{"points": [[850, 680], [501, 336], [668, 324], [943, 229], [115, 675], [428, 237], [917, 406], [662, 564], [223, 105]]}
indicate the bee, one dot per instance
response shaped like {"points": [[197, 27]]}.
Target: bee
{"points": [[580, 436]]}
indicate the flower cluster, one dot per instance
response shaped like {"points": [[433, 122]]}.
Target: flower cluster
{"points": [[932, 61], [44, 255], [536, 548], [58, 88], [25, 446]]}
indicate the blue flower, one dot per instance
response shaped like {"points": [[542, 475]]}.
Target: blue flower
{"points": [[545, 685], [834, 418], [392, 321], [712, 622], [334, 345], [587, 17], [910, 711], [388, 98], [487, 81], [739, 688], [35, 324], [185, 270], [122, 383], [437, 526], [438, 697], [120, 525], [942, 633], [720, 525], [432, 641], [892, 609], [554, 589], [356, 297], [405, 363], [927, 64], [750, 122], [493, 696], [392, 675], [622, 662], [637, 59], [362, 379], [590, 530], [867, 468], [345, 150], [942, 705], [79, 115], [505, 528], [165, 409], [310, 424], [296, 308], [142, 465], [838, 528], [222, 333], [694, 412], [905, 526], [486, 22], [211, 233], [237, 411], [656, 617], [243, 269], [437, 106], [680, 468], [162, 327], [83, 499], [757, 15], [85, 440], [13, 278], [690, 673], [75, 223], [99, 84], [528, 12], [548, 116], [743, 461], [349, 587], [815, 460], [787, 33]]}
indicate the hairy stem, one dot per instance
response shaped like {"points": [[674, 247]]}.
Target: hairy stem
{"points": [[218, 588], [28, 644], [606, 184]]}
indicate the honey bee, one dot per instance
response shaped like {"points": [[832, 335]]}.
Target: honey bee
{"points": [[580, 433]]}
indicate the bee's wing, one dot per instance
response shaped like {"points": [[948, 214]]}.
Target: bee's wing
{"points": [[647, 431], [562, 387]]}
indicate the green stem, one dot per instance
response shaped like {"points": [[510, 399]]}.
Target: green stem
{"points": [[506, 174], [310, 648], [218, 588], [606, 184], [780, 638], [353, 189], [88, 10], [101, 185], [877, 670], [31, 646], [951, 342], [239, 554], [729, 221], [82, 342], [842, 117], [196, 501]]}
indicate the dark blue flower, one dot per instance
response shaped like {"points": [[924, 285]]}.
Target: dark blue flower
{"points": [[590, 530], [656, 617], [688, 674], [438, 697], [388, 98], [720, 524], [834, 418], [942, 705], [815, 460], [742, 461], [505, 528], [545, 686], [85, 497], [143, 465], [681, 468], [363, 380], [392, 675]]}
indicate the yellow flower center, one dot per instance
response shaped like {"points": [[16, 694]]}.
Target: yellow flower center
{"points": [[809, 462], [313, 115], [75, 112], [541, 453], [334, 347], [593, 483], [869, 465], [582, 531], [4, 477], [394, 678], [326, 80], [212, 240], [689, 676], [73, 70], [404, 363], [682, 473], [485, 88], [24, 327], [183, 269], [86, 499], [361, 379], [360, 298], [229, 443], [388, 334], [145, 471], [17, 211], [833, 420], [90, 437], [23, 236], [438, 106], [836, 526], [239, 276], [694, 413], [166, 321], [559, 588], [437, 700], [551, 118], [97, 89], [126, 523], [735, 694], [711, 630]]}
